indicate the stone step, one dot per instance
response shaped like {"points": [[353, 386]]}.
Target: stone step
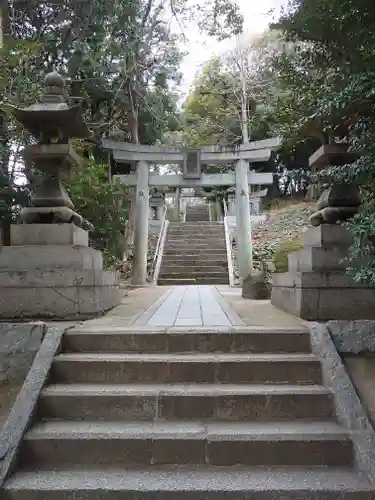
{"points": [[194, 260], [197, 217], [189, 483], [208, 252], [193, 235], [193, 281], [58, 444], [194, 245], [177, 268], [118, 402], [199, 339], [169, 282], [199, 368], [195, 225], [221, 275]]}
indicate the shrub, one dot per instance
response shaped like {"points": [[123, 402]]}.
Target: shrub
{"points": [[280, 260], [105, 204]]}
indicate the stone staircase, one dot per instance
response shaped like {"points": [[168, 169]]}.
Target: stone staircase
{"points": [[231, 414], [194, 253], [197, 213]]}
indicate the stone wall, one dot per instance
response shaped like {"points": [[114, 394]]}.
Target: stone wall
{"points": [[19, 343]]}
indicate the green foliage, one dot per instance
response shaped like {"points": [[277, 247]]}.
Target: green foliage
{"points": [[104, 204], [280, 259], [331, 83], [211, 113]]}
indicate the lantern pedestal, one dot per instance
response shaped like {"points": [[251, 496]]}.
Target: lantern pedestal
{"points": [[316, 287], [49, 272]]}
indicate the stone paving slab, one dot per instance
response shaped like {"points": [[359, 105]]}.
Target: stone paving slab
{"points": [[257, 312], [188, 306], [133, 304]]}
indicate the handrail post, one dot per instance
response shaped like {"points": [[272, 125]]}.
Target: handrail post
{"points": [[158, 244], [228, 245]]}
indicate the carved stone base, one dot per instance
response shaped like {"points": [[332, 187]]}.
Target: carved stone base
{"points": [[316, 288], [322, 296], [52, 274], [58, 295], [50, 215]]}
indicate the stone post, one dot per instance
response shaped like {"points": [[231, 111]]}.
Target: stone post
{"points": [[178, 202], [141, 225], [231, 204], [255, 206], [159, 210], [218, 209], [243, 221]]}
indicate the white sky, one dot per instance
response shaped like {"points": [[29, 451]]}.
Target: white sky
{"points": [[257, 16]]}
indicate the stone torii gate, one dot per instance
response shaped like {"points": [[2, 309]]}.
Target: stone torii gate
{"points": [[192, 176]]}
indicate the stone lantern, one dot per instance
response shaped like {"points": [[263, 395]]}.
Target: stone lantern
{"points": [[316, 286], [49, 271], [52, 123]]}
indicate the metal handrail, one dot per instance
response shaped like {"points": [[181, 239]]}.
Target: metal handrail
{"points": [[157, 248], [228, 244]]}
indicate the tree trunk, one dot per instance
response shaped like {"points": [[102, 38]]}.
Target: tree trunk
{"points": [[5, 184]]}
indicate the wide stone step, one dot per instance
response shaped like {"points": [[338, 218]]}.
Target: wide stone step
{"points": [[221, 275], [196, 236], [189, 483], [179, 340], [202, 231], [197, 217], [187, 402], [193, 281], [177, 268], [188, 225], [119, 368], [187, 246], [195, 260], [190, 252], [196, 225], [56, 444]]}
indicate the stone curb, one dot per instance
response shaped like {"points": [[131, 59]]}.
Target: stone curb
{"points": [[24, 407], [353, 337], [350, 412]]}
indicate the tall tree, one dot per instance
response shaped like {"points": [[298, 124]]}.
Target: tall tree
{"points": [[336, 65]]}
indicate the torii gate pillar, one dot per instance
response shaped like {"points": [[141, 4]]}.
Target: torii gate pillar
{"points": [[139, 276], [243, 229]]}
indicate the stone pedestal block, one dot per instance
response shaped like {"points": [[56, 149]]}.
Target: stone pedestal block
{"points": [[55, 279], [316, 287], [48, 234]]}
